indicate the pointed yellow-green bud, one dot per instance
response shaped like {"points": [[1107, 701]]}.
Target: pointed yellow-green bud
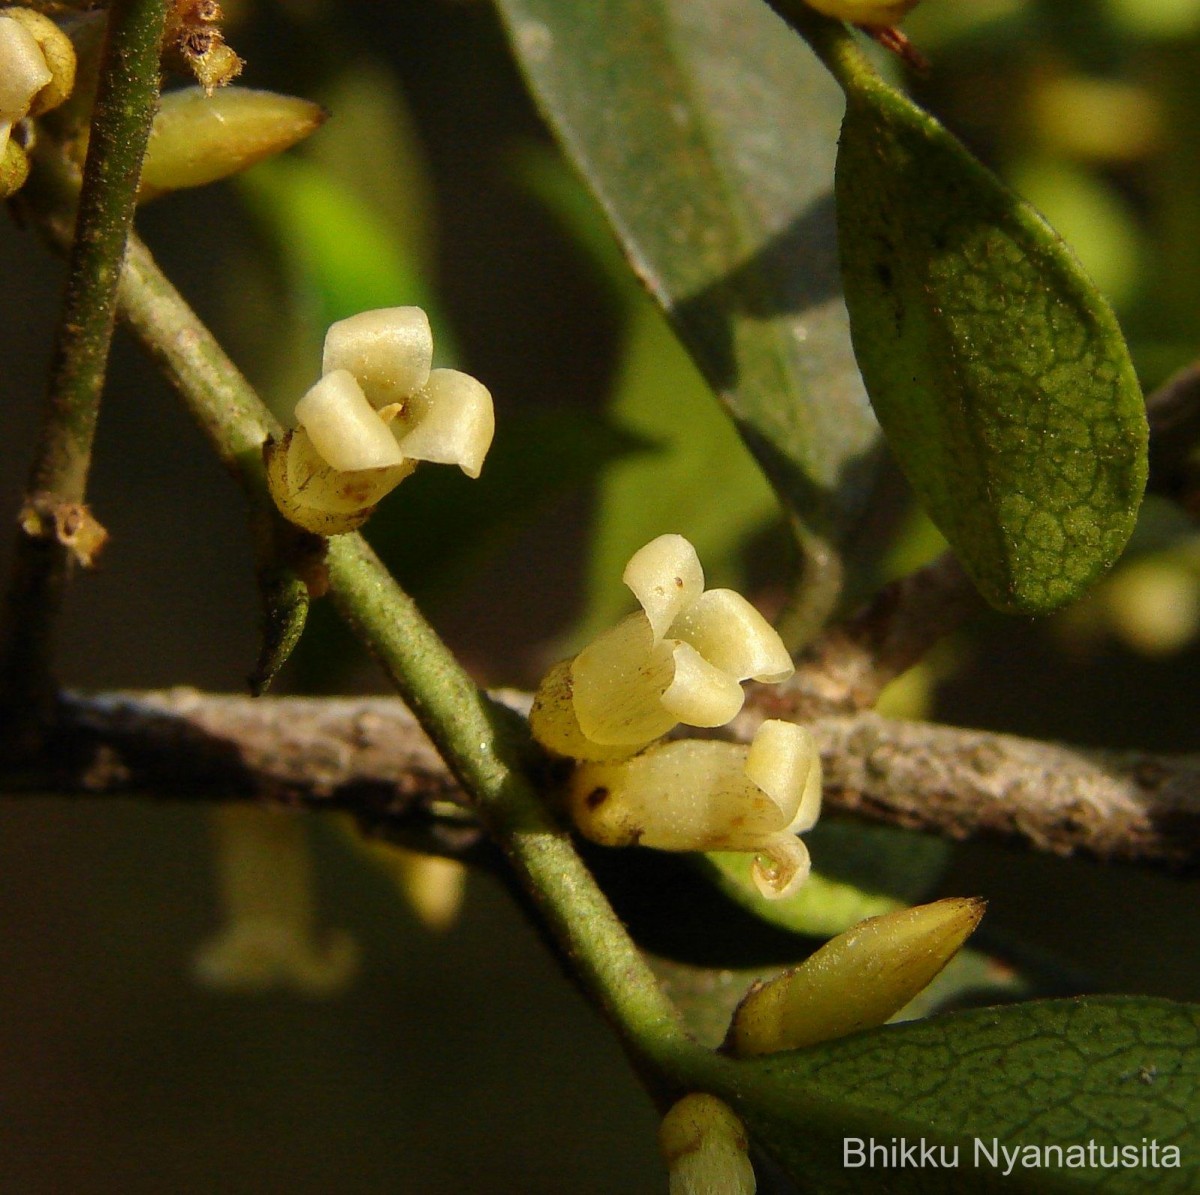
{"points": [[706, 1149], [14, 168], [858, 980], [56, 50], [872, 14], [198, 139]]}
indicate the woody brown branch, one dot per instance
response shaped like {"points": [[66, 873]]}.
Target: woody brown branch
{"points": [[368, 755]]}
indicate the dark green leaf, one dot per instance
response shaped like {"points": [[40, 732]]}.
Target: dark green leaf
{"points": [[1116, 1071], [707, 132], [996, 369]]}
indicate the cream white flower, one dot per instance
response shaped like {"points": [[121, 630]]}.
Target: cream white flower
{"points": [[681, 658], [703, 795], [378, 410]]}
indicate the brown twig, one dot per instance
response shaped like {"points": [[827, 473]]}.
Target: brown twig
{"points": [[368, 755], [847, 667]]}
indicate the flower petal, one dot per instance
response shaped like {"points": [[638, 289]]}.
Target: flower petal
{"points": [[344, 428], [784, 762], [730, 633], [450, 420], [389, 351], [699, 693], [23, 69], [666, 577], [618, 683], [553, 722], [781, 867], [690, 795]]}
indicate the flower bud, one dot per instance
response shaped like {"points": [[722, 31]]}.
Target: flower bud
{"points": [[265, 883], [389, 351], [198, 139], [858, 980], [703, 795], [214, 63], [705, 1148]]}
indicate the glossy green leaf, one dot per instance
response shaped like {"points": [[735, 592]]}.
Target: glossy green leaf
{"points": [[998, 372], [1117, 1071], [707, 132]]}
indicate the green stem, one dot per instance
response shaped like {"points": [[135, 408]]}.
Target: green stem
{"points": [[126, 100], [484, 744], [833, 44]]}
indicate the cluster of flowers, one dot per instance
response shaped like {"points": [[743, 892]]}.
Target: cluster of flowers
{"points": [[682, 659], [378, 409]]}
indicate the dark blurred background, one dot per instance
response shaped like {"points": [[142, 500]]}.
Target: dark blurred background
{"points": [[464, 1061]]}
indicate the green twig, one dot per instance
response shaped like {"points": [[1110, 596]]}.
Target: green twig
{"points": [[126, 100], [484, 744]]}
